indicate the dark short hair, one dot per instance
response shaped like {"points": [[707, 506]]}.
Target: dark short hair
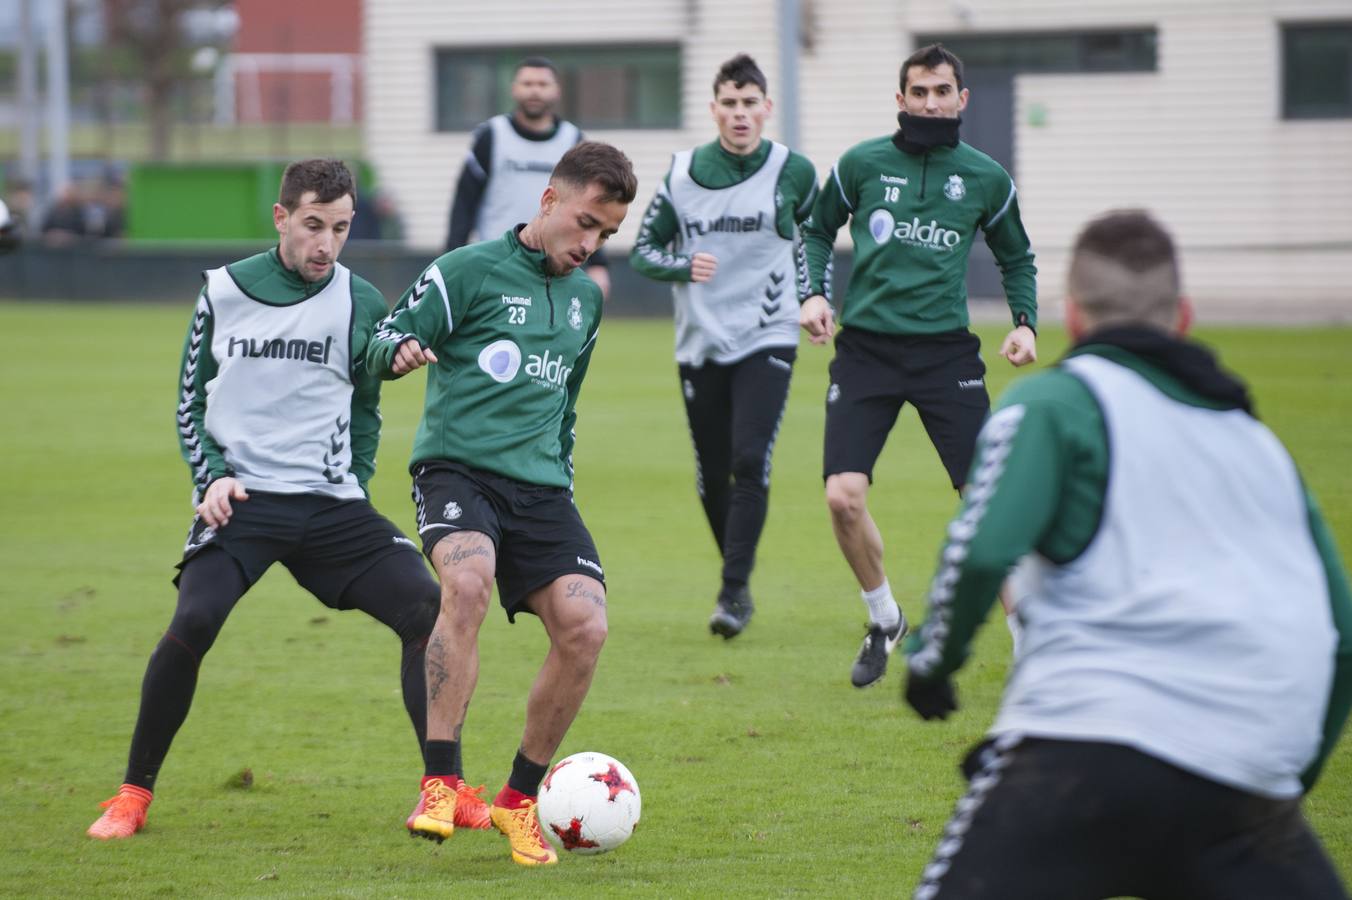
{"points": [[740, 70], [1130, 237], [593, 162], [330, 179], [537, 62], [1124, 268], [932, 56]]}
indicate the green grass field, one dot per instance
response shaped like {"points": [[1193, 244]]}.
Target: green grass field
{"points": [[763, 772]]}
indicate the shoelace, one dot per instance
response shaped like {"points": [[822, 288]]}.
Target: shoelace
{"points": [[472, 809], [438, 793], [466, 791], [529, 822]]}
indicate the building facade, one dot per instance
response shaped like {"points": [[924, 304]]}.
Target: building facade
{"points": [[293, 62], [1230, 119]]}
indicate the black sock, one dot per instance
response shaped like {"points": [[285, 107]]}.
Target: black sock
{"points": [[442, 758], [526, 775]]}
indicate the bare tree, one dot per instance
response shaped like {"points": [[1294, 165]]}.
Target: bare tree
{"points": [[153, 31]]}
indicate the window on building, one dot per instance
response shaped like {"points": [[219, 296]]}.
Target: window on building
{"points": [[1128, 50], [603, 86], [1317, 70]]}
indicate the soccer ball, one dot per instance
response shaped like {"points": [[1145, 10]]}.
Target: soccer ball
{"points": [[589, 803]]}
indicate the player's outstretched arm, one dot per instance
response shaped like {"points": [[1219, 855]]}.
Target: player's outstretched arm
{"points": [[652, 256], [1008, 241], [832, 209], [422, 319], [1010, 501]]}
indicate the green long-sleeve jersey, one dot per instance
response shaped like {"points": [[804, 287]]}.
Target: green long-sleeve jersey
{"points": [[512, 344], [1049, 478], [255, 329], [913, 218], [657, 252]]}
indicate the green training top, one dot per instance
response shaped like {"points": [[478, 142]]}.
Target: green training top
{"points": [[913, 217], [512, 346], [713, 167]]}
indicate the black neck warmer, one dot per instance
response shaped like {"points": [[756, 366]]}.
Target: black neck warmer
{"points": [[921, 133], [1191, 363]]}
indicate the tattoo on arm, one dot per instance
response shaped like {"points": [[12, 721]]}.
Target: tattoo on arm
{"points": [[583, 590], [437, 674]]}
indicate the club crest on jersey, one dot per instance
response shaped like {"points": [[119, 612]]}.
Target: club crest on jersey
{"points": [[452, 511], [954, 189], [575, 314], [500, 360], [880, 225]]}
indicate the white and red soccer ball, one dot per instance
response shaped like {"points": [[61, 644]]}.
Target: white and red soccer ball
{"points": [[589, 803]]}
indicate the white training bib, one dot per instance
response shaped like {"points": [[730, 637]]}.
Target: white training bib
{"points": [[518, 175], [1196, 626], [280, 405], [752, 301]]}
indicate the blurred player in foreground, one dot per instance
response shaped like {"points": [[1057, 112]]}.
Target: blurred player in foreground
{"points": [[1187, 659]]}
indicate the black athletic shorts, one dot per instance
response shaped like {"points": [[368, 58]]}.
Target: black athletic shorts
{"points": [[325, 542], [873, 375], [1076, 820], [537, 531]]}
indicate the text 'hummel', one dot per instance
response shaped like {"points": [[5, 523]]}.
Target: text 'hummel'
{"points": [[281, 348]]}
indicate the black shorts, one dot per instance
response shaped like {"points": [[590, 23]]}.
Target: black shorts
{"points": [[873, 375], [537, 531], [1064, 820], [325, 542]]}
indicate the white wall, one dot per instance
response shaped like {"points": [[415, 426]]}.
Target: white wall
{"points": [[1262, 207]]}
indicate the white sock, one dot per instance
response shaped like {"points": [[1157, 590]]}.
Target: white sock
{"points": [[882, 609]]}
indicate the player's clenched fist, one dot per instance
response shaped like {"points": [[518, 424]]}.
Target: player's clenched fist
{"points": [[411, 355], [702, 267], [817, 319], [1020, 346]]}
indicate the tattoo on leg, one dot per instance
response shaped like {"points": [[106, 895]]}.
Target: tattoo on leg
{"points": [[583, 590], [436, 667], [459, 726], [458, 553]]}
